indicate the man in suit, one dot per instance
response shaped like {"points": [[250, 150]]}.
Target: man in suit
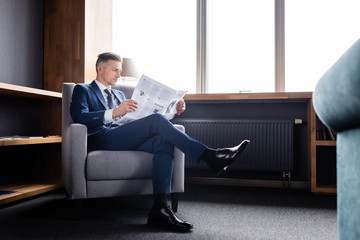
{"points": [[97, 106]]}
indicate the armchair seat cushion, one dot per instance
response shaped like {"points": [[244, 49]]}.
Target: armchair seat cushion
{"points": [[118, 165]]}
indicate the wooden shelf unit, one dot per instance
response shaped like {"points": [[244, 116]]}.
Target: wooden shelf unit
{"points": [[325, 143], [29, 141], [12, 90], [28, 189], [64, 61], [50, 104], [316, 186]]}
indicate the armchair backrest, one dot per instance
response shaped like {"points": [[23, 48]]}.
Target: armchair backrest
{"points": [[66, 99], [65, 124], [128, 90]]}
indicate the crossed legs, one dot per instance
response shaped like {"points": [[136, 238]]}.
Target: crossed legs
{"points": [[154, 134]]}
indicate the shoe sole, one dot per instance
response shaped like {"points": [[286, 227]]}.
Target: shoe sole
{"points": [[166, 227]]}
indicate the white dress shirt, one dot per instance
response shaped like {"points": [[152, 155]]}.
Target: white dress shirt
{"points": [[108, 113]]}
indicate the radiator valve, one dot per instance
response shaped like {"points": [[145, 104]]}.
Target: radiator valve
{"points": [[298, 121]]}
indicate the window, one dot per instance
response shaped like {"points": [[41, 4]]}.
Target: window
{"points": [[160, 36], [317, 33], [235, 45], [240, 46]]}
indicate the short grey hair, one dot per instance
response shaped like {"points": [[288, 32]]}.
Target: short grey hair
{"points": [[103, 58]]}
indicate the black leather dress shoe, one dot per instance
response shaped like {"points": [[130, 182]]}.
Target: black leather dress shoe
{"points": [[165, 218], [220, 159]]}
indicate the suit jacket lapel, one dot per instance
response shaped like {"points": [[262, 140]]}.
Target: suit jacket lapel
{"points": [[94, 87]]}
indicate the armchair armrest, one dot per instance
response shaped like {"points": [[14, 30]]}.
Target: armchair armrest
{"points": [[178, 179], [77, 160], [336, 97]]}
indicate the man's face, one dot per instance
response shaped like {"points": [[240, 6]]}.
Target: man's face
{"points": [[109, 73]]}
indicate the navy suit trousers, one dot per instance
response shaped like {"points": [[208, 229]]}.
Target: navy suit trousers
{"points": [[153, 134]]}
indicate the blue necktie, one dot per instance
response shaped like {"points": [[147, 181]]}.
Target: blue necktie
{"points": [[110, 101]]}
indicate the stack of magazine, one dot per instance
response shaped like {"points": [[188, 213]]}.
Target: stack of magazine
{"points": [[15, 137]]}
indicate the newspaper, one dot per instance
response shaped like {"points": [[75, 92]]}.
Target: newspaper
{"points": [[152, 97]]}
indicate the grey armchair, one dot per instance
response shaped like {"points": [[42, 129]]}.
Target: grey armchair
{"points": [[99, 174]]}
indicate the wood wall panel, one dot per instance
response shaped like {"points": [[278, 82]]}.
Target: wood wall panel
{"points": [[76, 31], [64, 38]]}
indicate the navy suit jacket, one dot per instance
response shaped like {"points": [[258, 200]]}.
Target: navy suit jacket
{"points": [[88, 106]]}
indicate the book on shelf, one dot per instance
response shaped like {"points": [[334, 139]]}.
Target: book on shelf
{"points": [[330, 133], [3, 192], [320, 130], [323, 132]]}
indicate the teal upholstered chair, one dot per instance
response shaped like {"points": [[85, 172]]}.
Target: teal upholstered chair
{"points": [[336, 101]]}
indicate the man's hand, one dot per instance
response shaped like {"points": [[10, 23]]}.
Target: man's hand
{"points": [[180, 107], [126, 106]]}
